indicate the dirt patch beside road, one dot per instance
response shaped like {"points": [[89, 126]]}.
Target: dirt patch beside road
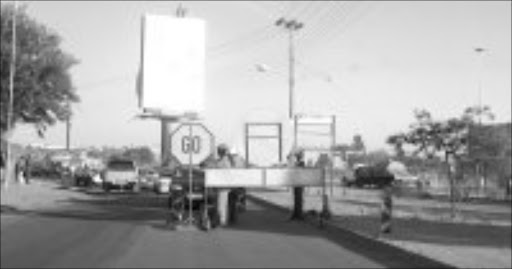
{"points": [[37, 196], [469, 242]]}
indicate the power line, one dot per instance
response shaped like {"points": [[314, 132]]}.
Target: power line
{"points": [[246, 36], [313, 11], [253, 52], [299, 10], [330, 23], [311, 8], [259, 37], [366, 7], [268, 35]]}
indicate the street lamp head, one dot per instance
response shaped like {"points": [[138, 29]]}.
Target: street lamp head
{"points": [[480, 50], [299, 25], [280, 21], [261, 68]]}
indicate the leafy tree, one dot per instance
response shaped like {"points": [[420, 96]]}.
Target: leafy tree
{"points": [[430, 137], [143, 156], [398, 141], [43, 90], [378, 158], [474, 114]]}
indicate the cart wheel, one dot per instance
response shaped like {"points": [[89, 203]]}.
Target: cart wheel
{"points": [[206, 223]]}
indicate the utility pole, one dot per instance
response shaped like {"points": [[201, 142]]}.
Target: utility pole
{"points": [[480, 110], [291, 26], [180, 11], [480, 52], [9, 169]]}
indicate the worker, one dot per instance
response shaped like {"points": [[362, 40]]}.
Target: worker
{"points": [[386, 196], [223, 195], [297, 160]]}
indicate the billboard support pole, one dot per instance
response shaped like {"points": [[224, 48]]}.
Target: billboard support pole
{"points": [[190, 186]]}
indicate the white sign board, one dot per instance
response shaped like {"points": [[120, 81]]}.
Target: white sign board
{"points": [[173, 64], [264, 177], [191, 142], [235, 178], [294, 177]]}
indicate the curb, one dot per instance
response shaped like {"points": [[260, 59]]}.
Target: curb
{"points": [[336, 230]]}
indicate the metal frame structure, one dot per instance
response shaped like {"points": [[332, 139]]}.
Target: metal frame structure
{"points": [[331, 134], [249, 137]]}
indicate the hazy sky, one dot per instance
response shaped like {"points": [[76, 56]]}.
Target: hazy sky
{"points": [[368, 63]]}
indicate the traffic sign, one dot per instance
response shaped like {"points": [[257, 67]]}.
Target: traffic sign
{"points": [[191, 143]]}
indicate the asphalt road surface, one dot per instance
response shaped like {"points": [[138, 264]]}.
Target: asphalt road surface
{"points": [[119, 230]]}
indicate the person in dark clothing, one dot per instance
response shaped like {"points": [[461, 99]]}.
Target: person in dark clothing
{"points": [[298, 192], [26, 169], [18, 169], [2, 167]]}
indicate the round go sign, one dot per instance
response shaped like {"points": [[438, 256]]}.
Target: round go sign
{"points": [[191, 143]]}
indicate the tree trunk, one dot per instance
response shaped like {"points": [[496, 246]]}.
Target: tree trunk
{"points": [[450, 178]]}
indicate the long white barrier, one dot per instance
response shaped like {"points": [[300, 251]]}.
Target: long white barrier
{"points": [[263, 177]]}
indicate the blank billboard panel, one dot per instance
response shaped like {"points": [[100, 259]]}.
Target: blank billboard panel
{"points": [[173, 65], [294, 177]]}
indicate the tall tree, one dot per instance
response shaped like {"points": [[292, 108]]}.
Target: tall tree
{"points": [[143, 156], [43, 89], [430, 137]]}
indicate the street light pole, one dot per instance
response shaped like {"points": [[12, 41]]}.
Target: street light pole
{"points": [[480, 111], [12, 71], [291, 26], [480, 52]]}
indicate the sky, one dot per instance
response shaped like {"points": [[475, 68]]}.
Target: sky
{"points": [[370, 64]]}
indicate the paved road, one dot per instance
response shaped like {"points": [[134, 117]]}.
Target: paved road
{"points": [[129, 231]]}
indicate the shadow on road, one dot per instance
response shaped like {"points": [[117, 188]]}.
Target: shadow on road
{"points": [[8, 209], [258, 220], [261, 218]]}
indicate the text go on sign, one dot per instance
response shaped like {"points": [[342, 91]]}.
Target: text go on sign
{"points": [[191, 143]]}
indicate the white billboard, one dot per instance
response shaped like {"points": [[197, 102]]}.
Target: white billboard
{"points": [[235, 178], [173, 65], [264, 177], [276, 177]]}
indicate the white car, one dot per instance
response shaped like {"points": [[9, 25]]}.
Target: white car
{"points": [[121, 174], [96, 179], [163, 184]]}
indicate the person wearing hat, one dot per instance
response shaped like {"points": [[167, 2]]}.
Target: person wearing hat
{"points": [[223, 195]]}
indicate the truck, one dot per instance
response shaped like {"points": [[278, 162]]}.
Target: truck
{"points": [[120, 174], [371, 175]]}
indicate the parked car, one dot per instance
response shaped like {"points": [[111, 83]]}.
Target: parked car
{"points": [[120, 174], [147, 178], [402, 175], [163, 184], [375, 175], [83, 177], [97, 179]]}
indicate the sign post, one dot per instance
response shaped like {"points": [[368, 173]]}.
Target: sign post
{"points": [[191, 143]]}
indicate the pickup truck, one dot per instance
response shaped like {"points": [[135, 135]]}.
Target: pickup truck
{"points": [[120, 174]]}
